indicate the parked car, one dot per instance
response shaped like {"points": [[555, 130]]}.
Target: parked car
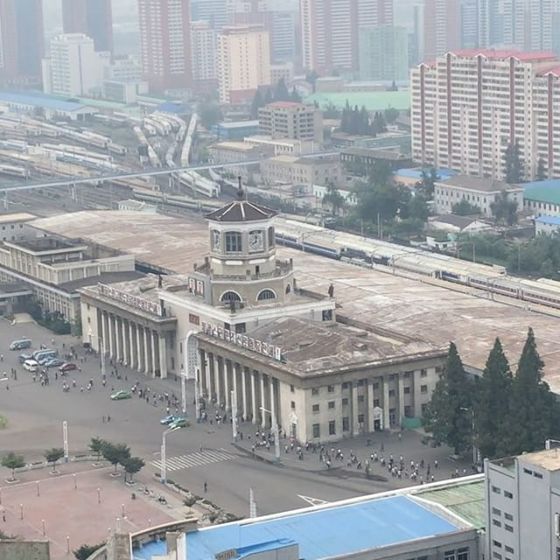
{"points": [[121, 395], [22, 358], [168, 419], [66, 367], [30, 365], [53, 362]]}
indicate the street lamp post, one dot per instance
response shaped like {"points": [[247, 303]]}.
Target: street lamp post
{"points": [[183, 391], [276, 432], [163, 475], [101, 351]]}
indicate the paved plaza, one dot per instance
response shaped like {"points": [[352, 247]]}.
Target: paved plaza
{"points": [[202, 453]]}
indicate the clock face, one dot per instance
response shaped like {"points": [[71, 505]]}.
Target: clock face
{"points": [[256, 241], [216, 240]]}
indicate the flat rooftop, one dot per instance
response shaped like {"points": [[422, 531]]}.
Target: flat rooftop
{"points": [[463, 499], [436, 312], [328, 532], [16, 217], [315, 348], [480, 184], [547, 459]]}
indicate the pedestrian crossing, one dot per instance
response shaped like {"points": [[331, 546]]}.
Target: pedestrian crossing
{"points": [[195, 459]]}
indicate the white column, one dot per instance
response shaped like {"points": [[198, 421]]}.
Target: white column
{"points": [[273, 401], [206, 365], [400, 393], [254, 407], [217, 380], [154, 352], [139, 349], [263, 401], [162, 356], [147, 367], [131, 341], [355, 424], [386, 420], [118, 354], [102, 333], [417, 376], [370, 406], [111, 345], [227, 395], [234, 384], [244, 373]]}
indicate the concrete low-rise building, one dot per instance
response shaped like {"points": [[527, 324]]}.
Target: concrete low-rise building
{"points": [[310, 170], [547, 225], [542, 198], [481, 192], [232, 152], [296, 121]]}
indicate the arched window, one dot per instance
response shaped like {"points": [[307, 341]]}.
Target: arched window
{"points": [[271, 238], [288, 289], [230, 296], [266, 294]]}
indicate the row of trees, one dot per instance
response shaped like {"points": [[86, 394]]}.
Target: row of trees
{"points": [[501, 413], [116, 454], [14, 461], [358, 121], [279, 92]]}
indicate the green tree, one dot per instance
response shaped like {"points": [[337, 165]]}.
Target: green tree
{"points": [[311, 77], [333, 198], [96, 446], [418, 208], [115, 453], [132, 465], [541, 170], [391, 115], [53, 456], [448, 415], [504, 210], [428, 181], [464, 208], [491, 407], [513, 164], [281, 92], [13, 462], [210, 114], [257, 103], [295, 96], [85, 551], [534, 411]]}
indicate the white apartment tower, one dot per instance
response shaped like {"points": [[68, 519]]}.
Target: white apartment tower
{"points": [[73, 68], [165, 28], [243, 62], [469, 106], [203, 46]]}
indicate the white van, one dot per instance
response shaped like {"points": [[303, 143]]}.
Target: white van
{"points": [[30, 365]]}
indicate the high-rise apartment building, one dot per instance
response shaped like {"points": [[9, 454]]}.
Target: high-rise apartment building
{"points": [[94, 18], [383, 51], [329, 31], [203, 47], [243, 62], [213, 11], [21, 41], [74, 67], [442, 27], [468, 106], [523, 506], [165, 28]]}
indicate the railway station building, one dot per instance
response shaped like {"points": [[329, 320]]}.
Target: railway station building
{"points": [[258, 344]]}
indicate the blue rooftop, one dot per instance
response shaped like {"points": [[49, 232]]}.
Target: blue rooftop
{"points": [[325, 532], [549, 220], [416, 173], [40, 100]]}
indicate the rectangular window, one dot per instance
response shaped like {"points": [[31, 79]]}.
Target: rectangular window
{"points": [[293, 405], [423, 389], [360, 382], [331, 404], [292, 389], [463, 554], [344, 401], [345, 385], [314, 391], [407, 391], [508, 494], [391, 392], [316, 430], [537, 475], [330, 388], [508, 516], [376, 385], [360, 418], [360, 398], [315, 408], [496, 490], [496, 511], [332, 428], [497, 544], [449, 555], [233, 242], [376, 402], [345, 424], [527, 471], [496, 523], [508, 528], [423, 373], [511, 551]]}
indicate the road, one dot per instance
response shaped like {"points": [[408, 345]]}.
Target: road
{"points": [[35, 414]]}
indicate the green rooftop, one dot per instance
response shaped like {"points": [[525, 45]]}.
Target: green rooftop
{"points": [[372, 100], [543, 191], [465, 500]]}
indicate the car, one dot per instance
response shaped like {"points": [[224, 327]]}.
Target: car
{"points": [[179, 422], [168, 419], [67, 366], [21, 344], [121, 395], [30, 365], [53, 362], [24, 357]]}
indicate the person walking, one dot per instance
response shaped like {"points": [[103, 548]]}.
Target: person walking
{"points": [[205, 487]]}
